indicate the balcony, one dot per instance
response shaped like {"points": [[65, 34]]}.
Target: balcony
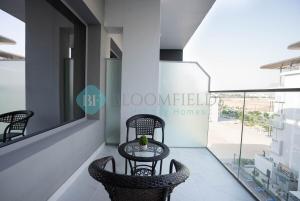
{"points": [[247, 131], [239, 145], [208, 181], [233, 142]]}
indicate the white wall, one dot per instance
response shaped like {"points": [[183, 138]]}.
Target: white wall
{"points": [[35, 168], [140, 21]]}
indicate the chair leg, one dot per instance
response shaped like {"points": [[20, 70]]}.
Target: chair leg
{"points": [[160, 169], [169, 197], [126, 166], [134, 168]]}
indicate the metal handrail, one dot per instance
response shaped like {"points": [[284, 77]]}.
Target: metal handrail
{"points": [[256, 90]]}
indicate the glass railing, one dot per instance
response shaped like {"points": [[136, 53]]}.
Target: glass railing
{"points": [[184, 103], [256, 135]]}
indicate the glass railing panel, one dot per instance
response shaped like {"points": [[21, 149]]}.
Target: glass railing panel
{"points": [[271, 142], [269, 125], [184, 103], [225, 125], [256, 144], [113, 101]]}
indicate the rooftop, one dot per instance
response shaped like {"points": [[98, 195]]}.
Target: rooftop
{"points": [[282, 64], [294, 46]]}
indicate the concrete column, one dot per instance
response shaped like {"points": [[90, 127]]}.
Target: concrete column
{"points": [[140, 21]]}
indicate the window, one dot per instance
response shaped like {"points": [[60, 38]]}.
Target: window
{"points": [[42, 63]]}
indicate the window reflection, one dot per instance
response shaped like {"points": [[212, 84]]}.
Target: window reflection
{"points": [[42, 63]]}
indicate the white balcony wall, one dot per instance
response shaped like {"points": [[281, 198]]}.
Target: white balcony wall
{"points": [[183, 101]]}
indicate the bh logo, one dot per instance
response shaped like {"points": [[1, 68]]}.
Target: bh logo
{"points": [[91, 99]]}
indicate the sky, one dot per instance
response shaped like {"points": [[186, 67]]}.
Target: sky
{"points": [[12, 28], [233, 41], [238, 36]]}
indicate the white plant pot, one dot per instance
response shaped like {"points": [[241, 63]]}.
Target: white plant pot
{"points": [[144, 147]]}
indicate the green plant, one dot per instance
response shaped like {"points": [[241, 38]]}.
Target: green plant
{"points": [[143, 140], [230, 113]]}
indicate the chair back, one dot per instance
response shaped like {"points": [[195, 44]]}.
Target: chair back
{"points": [[145, 124], [17, 122], [137, 188]]}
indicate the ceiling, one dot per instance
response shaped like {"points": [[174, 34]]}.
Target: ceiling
{"points": [[14, 7], [180, 19]]}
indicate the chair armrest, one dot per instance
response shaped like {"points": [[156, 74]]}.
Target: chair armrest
{"points": [[179, 167], [172, 164], [101, 163]]}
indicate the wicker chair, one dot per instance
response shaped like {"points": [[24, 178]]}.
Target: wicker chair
{"points": [[137, 188], [145, 124], [17, 122]]}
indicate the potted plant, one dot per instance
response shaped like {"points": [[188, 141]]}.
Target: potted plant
{"points": [[143, 141]]}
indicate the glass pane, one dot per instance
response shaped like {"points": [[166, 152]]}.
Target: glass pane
{"points": [[113, 100], [12, 91], [183, 89], [47, 75], [225, 126], [12, 65], [270, 153], [255, 163], [135, 149]]}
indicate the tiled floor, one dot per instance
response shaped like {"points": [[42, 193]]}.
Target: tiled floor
{"points": [[209, 181]]}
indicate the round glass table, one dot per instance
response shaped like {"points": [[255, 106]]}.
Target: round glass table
{"points": [[133, 152]]}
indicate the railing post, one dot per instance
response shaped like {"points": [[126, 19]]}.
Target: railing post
{"points": [[242, 133]]}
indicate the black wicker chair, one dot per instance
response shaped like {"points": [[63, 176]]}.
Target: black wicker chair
{"points": [[145, 124], [137, 188], [17, 122]]}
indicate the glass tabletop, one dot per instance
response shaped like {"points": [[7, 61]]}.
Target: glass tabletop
{"points": [[133, 151]]}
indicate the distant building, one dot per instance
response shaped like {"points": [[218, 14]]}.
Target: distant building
{"points": [[6, 55], [286, 122]]}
